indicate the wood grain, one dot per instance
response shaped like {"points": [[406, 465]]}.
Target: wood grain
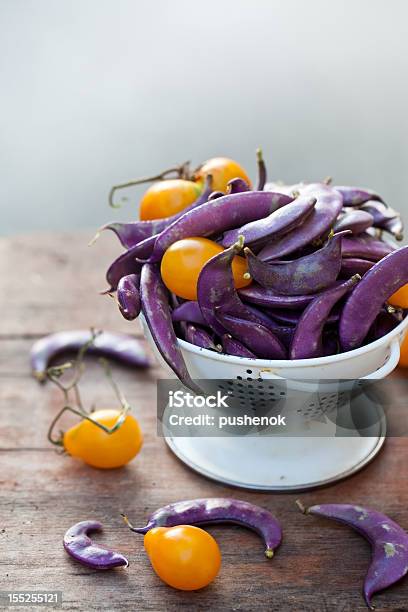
{"points": [[50, 283]]}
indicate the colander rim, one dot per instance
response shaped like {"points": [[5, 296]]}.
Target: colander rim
{"points": [[295, 363]]}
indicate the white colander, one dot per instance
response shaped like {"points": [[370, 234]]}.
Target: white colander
{"points": [[286, 463]]}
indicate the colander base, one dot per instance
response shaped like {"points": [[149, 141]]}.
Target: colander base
{"points": [[276, 464]]}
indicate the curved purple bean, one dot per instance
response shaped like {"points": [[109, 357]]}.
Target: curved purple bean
{"points": [[356, 221], [366, 247], [389, 543], [262, 173], [200, 337], [284, 333], [307, 341], [273, 226], [270, 298], [237, 185], [218, 215], [395, 227], [214, 195], [379, 212], [215, 289], [367, 299], [354, 196], [127, 262], [355, 265], [131, 234], [258, 338], [119, 347], [188, 311], [217, 510], [80, 547], [156, 309], [308, 274], [128, 296], [231, 346], [327, 208]]}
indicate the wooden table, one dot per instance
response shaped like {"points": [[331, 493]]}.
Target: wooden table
{"points": [[50, 283]]}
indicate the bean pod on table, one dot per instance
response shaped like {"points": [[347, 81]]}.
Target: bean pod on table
{"points": [[217, 510]]}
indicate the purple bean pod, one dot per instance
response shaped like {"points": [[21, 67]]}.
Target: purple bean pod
{"points": [[128, 296], [262, 173], [231, 346], [308, 338], [356, 221], [216, 216], [127, 262], [200, 337], [389, 543], [237, 185], [217, 510], [367, 299], [188, 311], [273, 226], [156, 310], [131, 234], [355, 265], [379, 212], [215, 289], [365, 246], [395, 227], [258, 338], [284, 333], [355, 196], [80, 547], [255, 294], [308, 274], [319, 223], [214, 195], [120, 347]]}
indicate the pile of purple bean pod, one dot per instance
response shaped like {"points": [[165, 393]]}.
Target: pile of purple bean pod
{"points": [[322, 260]]}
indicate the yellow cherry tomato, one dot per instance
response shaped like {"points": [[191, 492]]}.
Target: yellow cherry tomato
{"points": [[100, 449], [183, 261], [166, 198], [222, 170], [400, 297], [403, 362], [184, 557]]}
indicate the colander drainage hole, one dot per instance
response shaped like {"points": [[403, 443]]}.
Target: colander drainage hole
{"points": [[249, 371]]}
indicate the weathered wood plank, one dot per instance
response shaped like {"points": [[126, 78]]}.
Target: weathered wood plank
{"points": [[50, 283]]}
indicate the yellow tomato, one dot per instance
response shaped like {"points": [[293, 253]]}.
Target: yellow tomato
{"points": [[222, 170], [183, 261], [184, 557], [166, 198], [403, 362], [400, 297], [100, 449]]}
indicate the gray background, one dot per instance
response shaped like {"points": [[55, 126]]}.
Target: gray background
{"points": [[98, 91]]}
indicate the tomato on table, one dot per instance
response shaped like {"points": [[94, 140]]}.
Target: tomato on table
{"points": [[183, 261], [222, 170], [184, 557], [99, 448], [166, 198]]}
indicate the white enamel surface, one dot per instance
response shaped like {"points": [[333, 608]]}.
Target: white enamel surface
{"points": [[287, 463]]}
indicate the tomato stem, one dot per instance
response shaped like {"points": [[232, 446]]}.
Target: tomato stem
{"points": [[54, 374], [182, 171]]}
